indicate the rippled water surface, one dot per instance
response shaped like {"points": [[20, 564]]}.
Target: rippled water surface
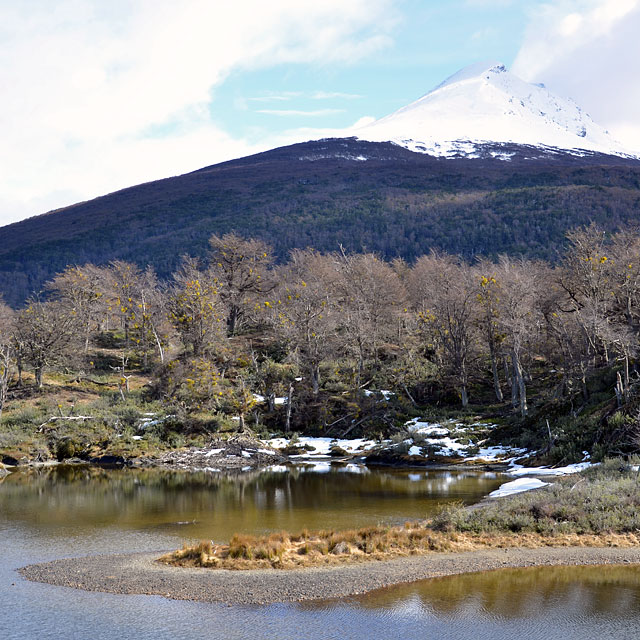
{"points": [[75, 511]]}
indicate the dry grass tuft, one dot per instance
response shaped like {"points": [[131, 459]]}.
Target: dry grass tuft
{"points": [[321, 548]]}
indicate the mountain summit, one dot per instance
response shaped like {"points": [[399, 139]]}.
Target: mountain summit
{"points": [[486, 103], [503, 167]]}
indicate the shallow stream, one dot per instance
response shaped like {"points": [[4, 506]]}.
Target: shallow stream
{"points": [[75, 511]]}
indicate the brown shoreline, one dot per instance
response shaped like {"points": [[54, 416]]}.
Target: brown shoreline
{"points": [[141, 574]]}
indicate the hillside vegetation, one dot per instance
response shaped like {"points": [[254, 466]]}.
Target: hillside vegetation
{"points": [[317, 194], [331, 344]]}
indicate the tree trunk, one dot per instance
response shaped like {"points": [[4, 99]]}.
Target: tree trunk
{"points": [[38, 373], [287, 426], [626, 371], [360, 363], [494, 365], [619, 389], [4, 381], [496, 379], [514, 388], [315, 379], [583, 382], [159, 343], [464, 396], [519, 383], [232, 320]]}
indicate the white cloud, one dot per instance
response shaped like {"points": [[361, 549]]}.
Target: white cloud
{"points": [[316, 95], [101, 95], [288, 113], [277, 98], [332, 95], [489, 3], [588, 50]]}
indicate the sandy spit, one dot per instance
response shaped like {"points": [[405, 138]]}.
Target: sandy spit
{"points": [[141, 574]]}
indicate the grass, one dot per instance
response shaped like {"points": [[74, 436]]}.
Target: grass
{"points": [[600, 500], [600, 507], [26, 432]]}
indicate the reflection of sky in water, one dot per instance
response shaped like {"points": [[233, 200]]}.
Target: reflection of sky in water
{"points": [[108, 513]]}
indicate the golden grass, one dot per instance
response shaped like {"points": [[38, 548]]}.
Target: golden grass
{"points": [[285, 551]]}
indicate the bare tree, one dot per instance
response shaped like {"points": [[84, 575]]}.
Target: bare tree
{"points": [[81, 291], [46, 332], [304, 310], [133, 296], [371, 299], [443, 293], [588, 281], [241, 267], [519, 316], [488, 300], [195, 307], [6, 350]]}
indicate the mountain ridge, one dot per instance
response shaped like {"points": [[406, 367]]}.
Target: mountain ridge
{"points": [[396, 202], [465, 187]]}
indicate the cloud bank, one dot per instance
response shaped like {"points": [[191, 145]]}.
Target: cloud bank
{"points": [[589, 50], [101, 95]]}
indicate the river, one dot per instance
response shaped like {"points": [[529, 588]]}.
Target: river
{"points": [[75, 511]]}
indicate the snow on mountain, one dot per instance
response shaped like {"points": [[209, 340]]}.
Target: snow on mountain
{"points": [[485, 103]]}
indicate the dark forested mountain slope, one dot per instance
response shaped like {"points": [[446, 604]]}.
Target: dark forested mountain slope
{"points": [[363, 195]]}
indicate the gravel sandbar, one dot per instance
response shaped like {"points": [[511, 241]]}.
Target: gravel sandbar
{"points": [[141, 574]]}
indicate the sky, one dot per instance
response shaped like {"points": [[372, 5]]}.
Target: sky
{"points": [[98, 96]]}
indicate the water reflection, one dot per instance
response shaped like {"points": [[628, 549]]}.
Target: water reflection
{"points": [[75, 511], [215, 505], [608, 591]]}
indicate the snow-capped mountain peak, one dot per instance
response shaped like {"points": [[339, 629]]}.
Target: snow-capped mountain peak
{"points": [[485, 103]]}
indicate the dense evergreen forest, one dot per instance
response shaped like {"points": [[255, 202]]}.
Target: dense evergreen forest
{"points": [[349, 343], [396, 203]]}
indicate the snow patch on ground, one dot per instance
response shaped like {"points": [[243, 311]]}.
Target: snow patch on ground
{"points": [[517, 486], [497, 454], [322, 446], [427, 428], [261, 399], [452, 440], [519, 471], [385, 393]]}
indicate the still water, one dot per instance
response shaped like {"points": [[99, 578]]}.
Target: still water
{"points": [[79, 511]]}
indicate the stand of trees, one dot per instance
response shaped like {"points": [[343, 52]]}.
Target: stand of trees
{"points": [[324, 331]]}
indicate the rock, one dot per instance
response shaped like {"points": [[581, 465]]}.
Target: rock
{"points": [[338, 452], [109, 461], [67, 448], [342, 548], [10, 461], [293, 450]]}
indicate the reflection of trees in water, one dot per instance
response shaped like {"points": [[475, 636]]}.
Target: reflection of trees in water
{"points": [[520, 593], [150, 497]]}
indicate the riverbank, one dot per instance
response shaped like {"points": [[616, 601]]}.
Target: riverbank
{"points": [[597, 508], [142, 574]]}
